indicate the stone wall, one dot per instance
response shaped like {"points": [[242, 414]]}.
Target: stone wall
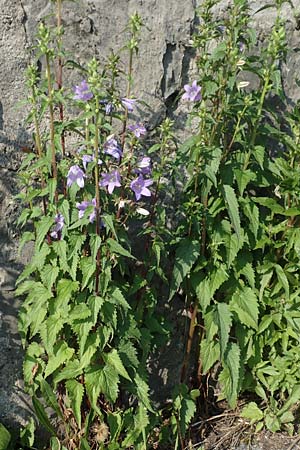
{"points": [[93, 27]]}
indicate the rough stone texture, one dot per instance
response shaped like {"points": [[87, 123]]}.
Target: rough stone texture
{"points": [[93, 28]]}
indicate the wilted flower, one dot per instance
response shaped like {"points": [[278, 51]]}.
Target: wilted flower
{"points": [[82, 92], [243, 84], [143, 211], [82, 207], [140, 187], [192, 93], [75, 175], [137, 129], [112, 148], [144, 166], [109, 108], [128, 103], [111, 180], [59, 223]]}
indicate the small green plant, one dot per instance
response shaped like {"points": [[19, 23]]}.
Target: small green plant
{"points": [[237, 259], [87, 319], [92, 194]]}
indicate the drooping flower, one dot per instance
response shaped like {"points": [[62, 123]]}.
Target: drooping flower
{"points": [[82, 92], [112, 148], [144, 166], [59, 223], [137, 129], [83, 206], [75, 175], [192, 93], [140, 187], [111, 180], [86, 159], [128, 103]]}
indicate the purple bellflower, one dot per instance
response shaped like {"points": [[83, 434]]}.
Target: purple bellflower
{"points": [[144, 166], [82, 92], [86, 159], [192, 93], [59, 223], [75, 175], [128, 103], [112, 148], [83, 206], [111, 180], [137, 129], [140, 187]]}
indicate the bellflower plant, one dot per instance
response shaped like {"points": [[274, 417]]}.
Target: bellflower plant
{"points": [[192, 92], [75, 175], [137, 129], [140, 187], [82, 92]]}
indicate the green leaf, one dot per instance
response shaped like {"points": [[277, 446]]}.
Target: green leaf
{"points": [[42, 415], [51, 184], [283, 280], [75, 392], [117, 248], [243, 177], [50, 397], [62, 354], [4, 437], [116, 297], [209, 354], [251, 211], [252, 412], [104, 380], [60, 248], [293, 398], [79, 312], [42, 228], [95, 242], [49, 274], [72, 370], [245, 304], [233, 209], [186, 256], [109, 223], [142, 390], [88, 268], [229, 377], [115, 361], [26, 434], [223, 319]]}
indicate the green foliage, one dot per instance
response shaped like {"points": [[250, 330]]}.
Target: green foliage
{"points": [[104, 255]]}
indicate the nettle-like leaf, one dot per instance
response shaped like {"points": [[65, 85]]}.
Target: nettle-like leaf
{"points": [[223, 319], [233, 209], [103, 380], [230, 375], [209, 354], [62, 353], [186, 256], [113, 359], [245, 304], [75, 392]]}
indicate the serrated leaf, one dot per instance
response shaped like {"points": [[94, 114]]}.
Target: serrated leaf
{"points": [[26, 434], [75, 392], [42, 227], [209, 354], [72, 370], [251, 211], [116, 297], [283, 280], [245, 304], [79, 312], [142, 390], [243, 178], [115, 361], [88, 268], [128, 353], [117, 248], [62, 354], [186, 256], [109, 223], [104, 380], [223, 319], [60, 248], [49, 275], [229, 377], [95, 243], [233, 209]]}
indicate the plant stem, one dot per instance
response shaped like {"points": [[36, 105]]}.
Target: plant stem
{"points": [[52, 129], [60, 72], [127, 95], [97, 192]]}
